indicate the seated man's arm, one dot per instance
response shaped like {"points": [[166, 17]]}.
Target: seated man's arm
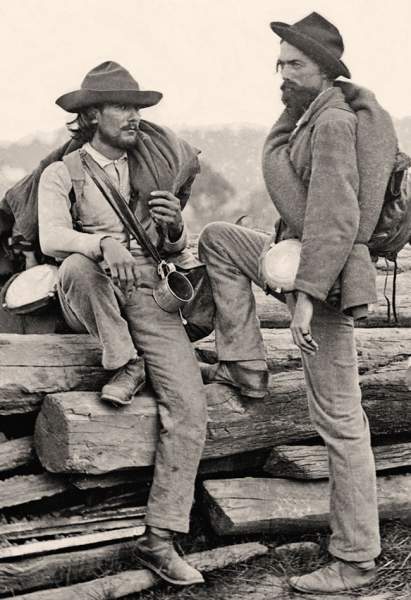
{"points": [[56, 233]]}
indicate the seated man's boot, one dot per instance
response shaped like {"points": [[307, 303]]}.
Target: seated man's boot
{"points": [[125, 383], [251, 383], [338, 576], [155, 550]]}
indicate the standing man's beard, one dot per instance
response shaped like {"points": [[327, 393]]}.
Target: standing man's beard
{"points": [[297, 98]]}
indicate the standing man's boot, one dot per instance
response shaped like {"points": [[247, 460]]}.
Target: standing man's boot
{"points": [[125, 383], [337, 576], [155, 550], [251, 382]]}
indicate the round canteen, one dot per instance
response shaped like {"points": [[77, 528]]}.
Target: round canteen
{"points": [[280, 265], [31, 289]]}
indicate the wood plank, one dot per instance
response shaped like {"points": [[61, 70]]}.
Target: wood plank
{"points": [[254, 505], [375, 348], [245, 461], [114, 500], [16, 453], [79, 523], [52, 349], [74, 541], [137, 580], [311, 462], [77, 433], [54, 570], [28, 488], [23, 388]]}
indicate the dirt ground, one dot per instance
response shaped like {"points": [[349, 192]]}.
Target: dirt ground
{"points": [[265, 578]]}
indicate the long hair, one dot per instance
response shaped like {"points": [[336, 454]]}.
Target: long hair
{"points": [[82, 127]]}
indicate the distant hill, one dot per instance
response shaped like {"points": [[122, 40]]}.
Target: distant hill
{"points": [[230, 186], [235, 152], [27, 153]]}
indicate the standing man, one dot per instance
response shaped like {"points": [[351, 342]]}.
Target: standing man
{"points": [[106, 283], [326, 164]]}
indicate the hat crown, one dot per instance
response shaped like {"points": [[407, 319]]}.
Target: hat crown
{"points": [[320, 29], [109, 76], [319, 39]]}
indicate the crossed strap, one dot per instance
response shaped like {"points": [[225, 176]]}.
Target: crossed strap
{"points": [[120, 206]]}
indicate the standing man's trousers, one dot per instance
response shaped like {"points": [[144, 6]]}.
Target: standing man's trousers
{"points": [[92, 303], [334, 397]]}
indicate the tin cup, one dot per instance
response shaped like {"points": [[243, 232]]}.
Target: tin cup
{"points": [[173, 292]]}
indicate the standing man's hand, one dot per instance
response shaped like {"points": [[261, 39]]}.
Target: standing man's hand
{"points": [[165, 209], [302, 314], [122, 265]]}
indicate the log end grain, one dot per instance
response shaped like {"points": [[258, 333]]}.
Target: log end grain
{"points": [[76, 433], [50, 436]]}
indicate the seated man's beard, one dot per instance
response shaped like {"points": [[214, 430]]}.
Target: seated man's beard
{"points": [[297, 98]]}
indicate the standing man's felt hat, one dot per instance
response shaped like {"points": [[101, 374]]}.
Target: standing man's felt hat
{"points": [[108, 82], [319, 39]]}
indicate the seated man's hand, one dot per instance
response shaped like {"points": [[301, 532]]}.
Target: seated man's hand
{"points": [[122, 265], [165, 209]]}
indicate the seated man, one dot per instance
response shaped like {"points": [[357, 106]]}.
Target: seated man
{"points": [[106, 283], [326, 164]]}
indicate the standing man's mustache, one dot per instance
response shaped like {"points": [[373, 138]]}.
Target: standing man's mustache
{"points": [[289, 85]]}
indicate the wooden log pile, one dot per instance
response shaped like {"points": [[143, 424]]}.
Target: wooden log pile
{"points": [[75, 473]]}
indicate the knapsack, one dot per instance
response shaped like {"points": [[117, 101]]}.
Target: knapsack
{"points": [[393, 230]]}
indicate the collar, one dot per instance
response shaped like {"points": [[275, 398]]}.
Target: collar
{"points": [[102, 160]]}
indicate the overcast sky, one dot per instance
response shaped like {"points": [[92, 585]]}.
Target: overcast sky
{"points": [[213, 59]]}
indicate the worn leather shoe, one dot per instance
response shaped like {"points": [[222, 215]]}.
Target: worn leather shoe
{"points": [[158, 554], [253, 384], [125, 383], [338, 576]]}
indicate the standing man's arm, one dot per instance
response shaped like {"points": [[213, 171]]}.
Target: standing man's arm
{"points": [[331, 219]]}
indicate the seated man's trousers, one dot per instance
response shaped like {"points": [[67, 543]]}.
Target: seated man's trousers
{"points": [[123, 325]]}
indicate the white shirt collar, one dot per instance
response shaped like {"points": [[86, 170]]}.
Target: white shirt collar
{"points": [[102, 160]]}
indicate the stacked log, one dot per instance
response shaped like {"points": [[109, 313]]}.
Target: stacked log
{"points": [[75, 432], [74, 483]]}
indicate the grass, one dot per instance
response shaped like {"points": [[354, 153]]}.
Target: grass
{"points": [[255, 580]]}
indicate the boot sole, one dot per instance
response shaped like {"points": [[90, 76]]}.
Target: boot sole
{"points": [[253, 393], [162, 575], [208, 374], [117, 402], [243, 391]]}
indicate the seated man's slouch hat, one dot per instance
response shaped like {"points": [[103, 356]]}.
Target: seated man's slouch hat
{"points": [[111, 83]]}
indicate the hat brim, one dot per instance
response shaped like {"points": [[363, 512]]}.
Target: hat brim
{"points": [[80, 99], [311, 47]]}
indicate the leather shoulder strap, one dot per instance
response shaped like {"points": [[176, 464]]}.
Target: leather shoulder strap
{"points": [[77, 176]]}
